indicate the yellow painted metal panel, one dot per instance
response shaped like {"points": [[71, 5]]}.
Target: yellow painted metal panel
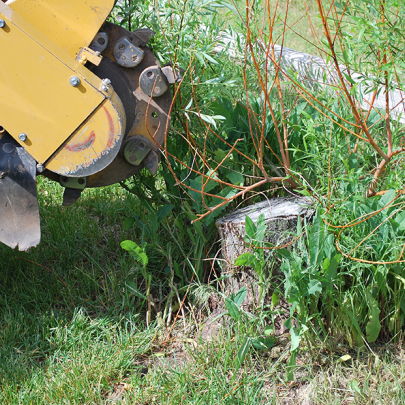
{"points": [[37, 98], [71, 24]]}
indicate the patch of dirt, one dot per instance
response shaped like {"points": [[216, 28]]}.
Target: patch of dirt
{"points": [[118, 392]]}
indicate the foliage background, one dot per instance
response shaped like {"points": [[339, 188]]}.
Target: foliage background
{"points": [[80, 314]]}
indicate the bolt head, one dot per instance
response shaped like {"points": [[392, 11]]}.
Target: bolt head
{"points": [[22, 137], [74, 81], [40, 168], [2, 23], [107, 82], [8, 148], [104, 88]]}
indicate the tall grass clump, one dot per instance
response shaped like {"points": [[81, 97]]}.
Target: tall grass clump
{"points": [[247, 125]]}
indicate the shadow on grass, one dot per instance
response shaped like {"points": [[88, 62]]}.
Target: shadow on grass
{"points": [[64, 310]]}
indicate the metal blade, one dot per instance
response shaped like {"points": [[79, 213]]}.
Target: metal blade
{"points": [[19, 211]]}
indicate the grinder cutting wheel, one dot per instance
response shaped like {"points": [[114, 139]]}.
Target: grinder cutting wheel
{"points": [[82, 101]]}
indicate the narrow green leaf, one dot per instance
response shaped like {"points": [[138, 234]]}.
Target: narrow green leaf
{"points": [[349, 78], [261, 228], [242, 353], [291, 366], [132, 287], [295, 339], [316, 241], [346, 56], [209, 58], [373, 326], [250, 228]]}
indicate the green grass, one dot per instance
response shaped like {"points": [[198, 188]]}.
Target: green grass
{"points": [[298, 34], [72, 333], [63, 313]]}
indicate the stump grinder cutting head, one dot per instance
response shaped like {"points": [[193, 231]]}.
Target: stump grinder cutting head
{"points": [[83, 102]]}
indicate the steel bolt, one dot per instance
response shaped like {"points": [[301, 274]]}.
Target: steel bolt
{"points": [[22, 137], [74, 81], [40, 168], [2, 23], [104, 88], [107, 82]]}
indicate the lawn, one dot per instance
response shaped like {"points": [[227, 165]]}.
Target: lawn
{"points": [[71, 332]]}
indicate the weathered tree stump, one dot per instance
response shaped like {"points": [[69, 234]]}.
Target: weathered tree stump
{"points": [[281, 216]]}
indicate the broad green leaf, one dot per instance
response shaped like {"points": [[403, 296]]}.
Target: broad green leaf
{"points": [[352, 161], [326, 264], [354, 386], [210, 184], [400, 220], [219, 155], [164, 211], [135, 251], [344, 358], [240, 296], [263, 343], [387, 198], [235, 178], [268, 330], [246, 259], [284, 253], [275, 299], [129, 245], [314, 287], [330, 267], [128, 223], [233, 310]]}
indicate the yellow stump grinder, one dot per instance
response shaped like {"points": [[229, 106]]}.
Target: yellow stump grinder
{"points": [[82, 101]]}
